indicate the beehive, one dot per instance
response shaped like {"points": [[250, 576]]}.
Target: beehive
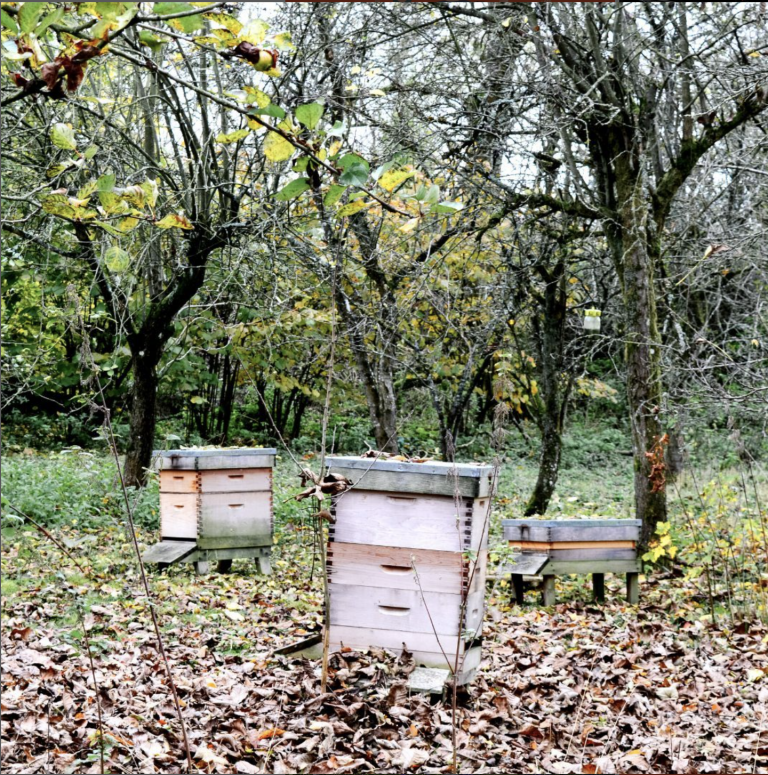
{"points": [[407, 560], [215, 504], [559, 547]]}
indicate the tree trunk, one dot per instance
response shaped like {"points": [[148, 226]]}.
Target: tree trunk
{"points": [[643, 355], [142, 422], [549, 467]]}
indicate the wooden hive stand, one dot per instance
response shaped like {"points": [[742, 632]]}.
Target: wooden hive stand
{"points": [[215, 506], [550, 548], [407, 560]]}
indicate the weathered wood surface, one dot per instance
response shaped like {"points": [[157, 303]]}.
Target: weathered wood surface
{"points": [[548, 591], [405, 610], [435, 478], [393, 640], [206, 459], [179, 482], [593, 554], [236, 480], [409, 521], [572, 522], [633, 588], [167, 552], [429, 680], [567, 532], [565, 567], [178, 515], [230, 520], [527, 564], [388, 566]]}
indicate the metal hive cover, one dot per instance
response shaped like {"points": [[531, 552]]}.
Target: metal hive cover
{"points": [[212, 452]]}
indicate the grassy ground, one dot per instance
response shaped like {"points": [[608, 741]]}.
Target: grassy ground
{"points": [[695, 647]]}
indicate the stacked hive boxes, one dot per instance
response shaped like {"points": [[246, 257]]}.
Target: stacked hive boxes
{"points": [[219, 500], [407, 560]]}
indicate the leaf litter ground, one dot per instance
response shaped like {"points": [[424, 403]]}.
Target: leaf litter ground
{"points": [[576, 688]]}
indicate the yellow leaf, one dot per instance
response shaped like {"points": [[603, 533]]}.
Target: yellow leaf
{"points": [[175, 221], [277, 148], [409, 225], [353, 207], [393, 178]]}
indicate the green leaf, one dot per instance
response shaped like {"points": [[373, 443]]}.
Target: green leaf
{"points": [[232, 25], [150, 189], [432, 196], [309, 114], [352, 158], [301, 164], [63, 136], [253, 32], [29, 13], [389, 181], [108, 228], [446, 207], [86, 191], [91, 151], [117, 259], [197, 400], [269, 110], [334, 194], [52, 18], [8, 21], [352, 208], [354, 175], [57, 169], [112, 203], [175, 221], [284, 41], [152, 41], [232, 137], [277, 148], [293, 189], [257, 96], [106, 182]]}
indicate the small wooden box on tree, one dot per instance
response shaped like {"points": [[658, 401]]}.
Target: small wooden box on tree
{"points": [[407, 560], [215, 504], [561, 547]]}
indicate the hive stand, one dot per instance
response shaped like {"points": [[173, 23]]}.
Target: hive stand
{"points": [[215, 506], [407, 560], [550, 548]]}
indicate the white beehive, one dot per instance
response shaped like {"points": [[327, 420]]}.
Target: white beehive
{"points": [[407, 560]]}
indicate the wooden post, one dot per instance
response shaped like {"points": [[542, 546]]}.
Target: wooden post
{"points": [[633, 588], [517, 583], [548, 591], [202, 567], [598, 587], [263, 565], [224, 566]]}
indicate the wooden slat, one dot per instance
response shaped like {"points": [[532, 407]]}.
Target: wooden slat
{"points": [[536, 546], [528, 564], [393, 567], [167, 552], [397, 519], [405, 610], [564, 567], [593, 554], [569, 522], [231, 520], [178, 515], [236, 480], [393, 640]]}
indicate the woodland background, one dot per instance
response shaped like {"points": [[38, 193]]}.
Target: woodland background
{"points": [[378, 226]]}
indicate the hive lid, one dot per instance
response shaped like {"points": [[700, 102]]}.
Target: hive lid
{"points": [[436, 478], [572, 522], [432, 467], [210, 459], [212, 452]]}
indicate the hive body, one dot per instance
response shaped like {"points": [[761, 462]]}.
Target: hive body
{"points": [[407, 559], [218, 500]]}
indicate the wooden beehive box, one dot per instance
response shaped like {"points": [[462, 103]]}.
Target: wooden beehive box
{"points": [[408, 547], [214, 504], [585, 546]]}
